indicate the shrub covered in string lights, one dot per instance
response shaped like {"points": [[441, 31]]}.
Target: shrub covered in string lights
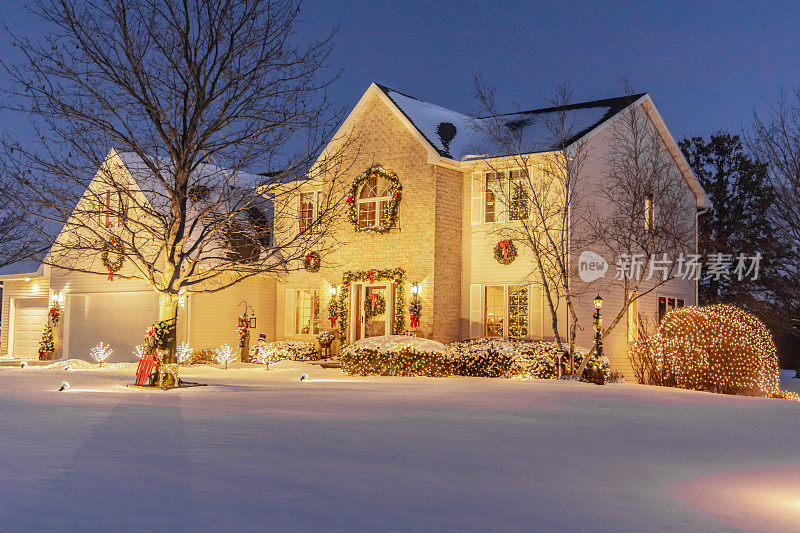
{"points": [[396, 355], [716, 348], [272, 352], [526, 359]]}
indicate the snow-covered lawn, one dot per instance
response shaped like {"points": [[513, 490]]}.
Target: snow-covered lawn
{"points": [[259, 450]]}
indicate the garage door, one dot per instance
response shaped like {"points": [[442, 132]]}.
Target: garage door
{"points": [[30, 315], [117, 319]]}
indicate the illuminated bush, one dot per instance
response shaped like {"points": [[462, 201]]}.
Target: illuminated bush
{"points": [[717, 348], [396, 355], [509, 358]]}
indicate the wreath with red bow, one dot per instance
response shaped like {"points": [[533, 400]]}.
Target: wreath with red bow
{"points": [[311, 262], [374, 305], [113, 266], [505, 252]]}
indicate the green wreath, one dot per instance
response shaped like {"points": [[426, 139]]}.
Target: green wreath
{"points": [[395, 193], [113, 246], [505, 252], [311, 261], [380, 305]]}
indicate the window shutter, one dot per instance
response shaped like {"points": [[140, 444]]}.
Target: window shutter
{"points": [[289, 325], [536, 311], [475, 311], [477, 198]]}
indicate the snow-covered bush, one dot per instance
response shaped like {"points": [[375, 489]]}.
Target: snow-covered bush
{"points": [[396, 355], [273, 352], [717, 348], [508, 358]]}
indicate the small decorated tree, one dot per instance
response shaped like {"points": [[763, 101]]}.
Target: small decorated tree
{"points": [[46, 345]]}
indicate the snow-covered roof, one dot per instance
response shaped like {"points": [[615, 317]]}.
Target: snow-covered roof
{"points": [[460, 137]]}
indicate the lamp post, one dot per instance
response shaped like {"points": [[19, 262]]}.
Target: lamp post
{"points": [[595, 374]]}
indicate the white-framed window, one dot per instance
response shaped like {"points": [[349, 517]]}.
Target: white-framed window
{"points": [[494, 310], [308, 211], [506, 311], [505, 188], [518, 310], [667, 304], [306, 312], [649, 213], [373, 202], [518, 196]]}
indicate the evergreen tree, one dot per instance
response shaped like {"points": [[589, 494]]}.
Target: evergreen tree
{"points": [[737, 223], [46, 344]]}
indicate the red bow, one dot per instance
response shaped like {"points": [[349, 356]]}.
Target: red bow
{"points": [[414, 321], [333, 320], [504, 246], [372, 297], [110, 274], [350, 198]]}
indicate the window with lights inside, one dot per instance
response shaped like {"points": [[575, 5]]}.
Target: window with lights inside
{"points": [[373, 202]]}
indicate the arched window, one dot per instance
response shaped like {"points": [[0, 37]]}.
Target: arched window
{"points": [[373, 202]]}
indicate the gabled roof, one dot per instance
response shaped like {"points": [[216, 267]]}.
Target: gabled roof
{"points": [[457, 136]]}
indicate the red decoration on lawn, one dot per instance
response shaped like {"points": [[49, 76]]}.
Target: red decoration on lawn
{"points": [[147, 365]]}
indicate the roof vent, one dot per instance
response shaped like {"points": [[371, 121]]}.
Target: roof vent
{"points": [[446, 132]]}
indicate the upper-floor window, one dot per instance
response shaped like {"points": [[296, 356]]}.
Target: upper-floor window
{"points": [[649, 213], [113, 206], [309, 211], [518, 196], [506, 189], [373, 202]]}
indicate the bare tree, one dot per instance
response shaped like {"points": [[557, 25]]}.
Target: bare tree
{"points": [[645, 214], [195, 120], [775, 141], [537, 160]]}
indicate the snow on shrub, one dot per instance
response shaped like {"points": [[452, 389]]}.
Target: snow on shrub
{"points": [[272, 352], [396, 355], [717, 348], [509, 358]]}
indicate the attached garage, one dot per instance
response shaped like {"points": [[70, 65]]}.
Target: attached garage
{"points": [[117, 319], [29, 316]]}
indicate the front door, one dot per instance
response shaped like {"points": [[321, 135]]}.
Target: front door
{"points": [[374, 310]]}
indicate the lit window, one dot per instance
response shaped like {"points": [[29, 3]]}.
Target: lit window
{"points": [[494, 311], [667, 304], [633, 318], [518, 310], [308, 210], [373, 202], [649, 213], [306, 305], [519, 196]]}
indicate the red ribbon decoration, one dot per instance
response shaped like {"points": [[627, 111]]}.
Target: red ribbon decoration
{"points": [[414, 321], [110, 274], [372, 297], [504, 246], [332, 318]]}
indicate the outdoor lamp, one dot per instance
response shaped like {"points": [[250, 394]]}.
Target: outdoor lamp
{"points": [[414, 288], [252, 320], [334, 290], [598, 302]]}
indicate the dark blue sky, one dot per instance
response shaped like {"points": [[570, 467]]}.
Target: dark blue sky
{"points": [[707, 66]]}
